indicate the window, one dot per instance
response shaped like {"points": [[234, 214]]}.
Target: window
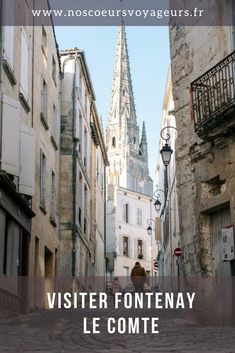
{"points": [[8, 45], [54, 127], [44, 41], [126, 212], [85, 148], [139, 216], [10, 127], [126, 271], [80, 216], [24, 65], [53, 197], [233, 23], [80, 84], [81, 197], [27, 160], [11, 248], [125, 246], [85, 104], [42, 180], [44, 103], [97, 168], [140, 249], [85, 227], [80, 133], [54, 69], [114, 142], [85, 209]]}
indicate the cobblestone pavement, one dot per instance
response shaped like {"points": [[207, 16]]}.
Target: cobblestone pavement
{"points": [[62, 331]]}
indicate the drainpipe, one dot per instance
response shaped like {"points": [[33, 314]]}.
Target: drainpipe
{"points": [[74, 172]]}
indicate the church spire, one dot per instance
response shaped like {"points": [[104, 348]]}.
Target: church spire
{"points": [[143, 142], [128, 157], [122, 108], [144, 136]]}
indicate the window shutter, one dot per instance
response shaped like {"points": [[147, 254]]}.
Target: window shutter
{"points": [[135, 249], [121, 245], [127, 213], [124, 212], [10, 135], [9, 33], [144, 250], [9, 45], [129, 247], [27, 160], [24, 63], [54, 124]]}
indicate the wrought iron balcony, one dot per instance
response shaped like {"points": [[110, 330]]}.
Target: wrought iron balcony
{"points": [[213, 99]]}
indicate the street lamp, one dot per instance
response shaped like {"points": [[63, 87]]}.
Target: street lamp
{"points": [[157, 203], [149, 222], [166, 153], [166, 150]]}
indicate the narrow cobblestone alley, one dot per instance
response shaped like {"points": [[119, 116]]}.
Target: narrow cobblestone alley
{"points": [[62, 331]]}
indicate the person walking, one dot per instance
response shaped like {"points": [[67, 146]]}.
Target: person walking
{"points": [[138, 277]]}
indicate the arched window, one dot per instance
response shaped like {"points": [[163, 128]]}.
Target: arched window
{"points": [[123, 92], [114, 142]]}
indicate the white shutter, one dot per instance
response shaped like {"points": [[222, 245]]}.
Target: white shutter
{"points": [[130, 254], [24, 64], [121, 245], [54, 124], [9, 45], [10, 135], [27, 160], [9, 32], [135, 248], [145, 251]]}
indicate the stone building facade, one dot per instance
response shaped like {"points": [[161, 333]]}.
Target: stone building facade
{"points": [[168, 213], [46, 122], [203, 91], [129, 186], [82, 173], [30, 113]]}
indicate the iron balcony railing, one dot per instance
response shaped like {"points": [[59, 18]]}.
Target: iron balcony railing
{"points": [[213, 96]]}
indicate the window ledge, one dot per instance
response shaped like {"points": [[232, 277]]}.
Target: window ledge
{"points": [[24, 102], [44, 52], [9, 72], [54, 144], [53, 221], [43, 209], [44, 121], [54, 80]]}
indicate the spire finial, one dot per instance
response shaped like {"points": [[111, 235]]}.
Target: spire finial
{"points": [[144, 136], [122, 19]]}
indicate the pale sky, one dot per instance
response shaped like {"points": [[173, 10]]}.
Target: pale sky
{"points": [[149, 62]]}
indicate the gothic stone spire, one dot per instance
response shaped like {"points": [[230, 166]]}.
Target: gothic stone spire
{"points": [[122, 108], [143, 143]]}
